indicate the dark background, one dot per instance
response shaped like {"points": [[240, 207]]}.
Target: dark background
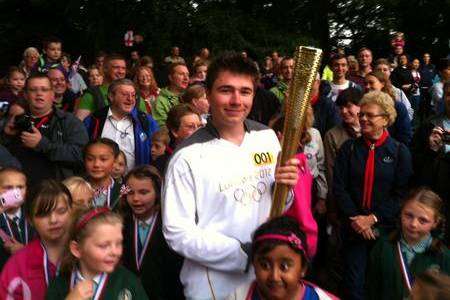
{"points": [[87, 26]]}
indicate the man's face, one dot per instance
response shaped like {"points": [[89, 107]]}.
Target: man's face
{"points": [[59, 82], [175, 51], [287, 69], [230, 99], [403, 60], [117, 69], [53, 51], [124, 99], [40, 95], [426, 58], [365, 58], [180, 77], [340, 68], [135, 55]]}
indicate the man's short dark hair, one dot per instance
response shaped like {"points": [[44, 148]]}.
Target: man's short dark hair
{"points": [[350, 95], [37, 76], [114, 56], [337, 56], [234, 63], [286, 58], [51, 39]]}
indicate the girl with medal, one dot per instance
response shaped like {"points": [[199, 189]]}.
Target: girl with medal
{"points": [[99, 158], [396, 261], [280, 262], [29, 271], [90, 267], [15, 230], [145, 250]]}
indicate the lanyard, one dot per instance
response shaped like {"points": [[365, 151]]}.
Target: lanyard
{"points": [[47, 271], [139, 255], [407, 277], [43, 121], [99, 289], [100, 192]]}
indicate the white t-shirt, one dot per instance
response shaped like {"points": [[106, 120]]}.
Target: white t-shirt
{"points": [[336, 89], [216, 194]]}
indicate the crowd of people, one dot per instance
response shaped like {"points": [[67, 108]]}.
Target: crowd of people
{"points": [[115, 187]]}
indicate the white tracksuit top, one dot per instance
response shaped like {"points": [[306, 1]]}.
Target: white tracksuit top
{"points": [[215, 195]]}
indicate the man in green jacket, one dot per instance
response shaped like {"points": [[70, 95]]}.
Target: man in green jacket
{"points": [[287, 72], [170, 96]]}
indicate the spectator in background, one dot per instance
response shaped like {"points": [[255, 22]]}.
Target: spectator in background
{"points": [[170, 95], [51, 56], [401, 76], [30, 59], [382, 65], [13, 89], [287, 73], [65, 98], [200, 69], [437, 90], [51, 146], [339, 66], [95, 76], [203, 56], [365, 66], [77, 84], [100, 60], [353, 65], [371, 176], [123, 123], [174, 57], [147, 87], [182, 122], [195, 96]]}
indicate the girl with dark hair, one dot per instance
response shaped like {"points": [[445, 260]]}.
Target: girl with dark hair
{"points": [[28, 273], [279, 256], [145, 250]]}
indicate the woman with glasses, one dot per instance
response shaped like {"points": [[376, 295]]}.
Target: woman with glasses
{"points": [[371, 175]]}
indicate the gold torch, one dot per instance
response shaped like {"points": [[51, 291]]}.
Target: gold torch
{"points": [[307, 62]]}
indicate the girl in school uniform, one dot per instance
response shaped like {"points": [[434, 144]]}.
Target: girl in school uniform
{"points": [[280, 262], [99, 158], [396, 261], [145, 250], [90, 268], [29, 271]]}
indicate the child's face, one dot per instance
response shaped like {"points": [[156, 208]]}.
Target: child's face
{"points": [[142, 197], [82, 197], [158, 149], [53, 51], [120, 167], [417, 221], [101, 250], [95, 78], [53, 226], [13, 180], [17, 81], [278, 273], [99, 161]]}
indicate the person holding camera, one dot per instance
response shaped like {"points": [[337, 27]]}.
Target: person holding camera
{"points": [[431, 149], [47, 141]]}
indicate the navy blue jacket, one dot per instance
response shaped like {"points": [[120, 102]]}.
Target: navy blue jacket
{"points": [[142, 132], [393, 169], [401, 129]]}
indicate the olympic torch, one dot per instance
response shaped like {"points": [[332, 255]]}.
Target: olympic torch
{"points": [[307, 62]]}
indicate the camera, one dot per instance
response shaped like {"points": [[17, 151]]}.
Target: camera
{"points": [[23, 123], [11, 198]]}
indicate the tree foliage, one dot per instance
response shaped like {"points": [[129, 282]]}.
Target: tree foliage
{"points": [[257, 26]]}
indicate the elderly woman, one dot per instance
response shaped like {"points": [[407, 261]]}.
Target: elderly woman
{"points": [[30, 58], [371, 175]]}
